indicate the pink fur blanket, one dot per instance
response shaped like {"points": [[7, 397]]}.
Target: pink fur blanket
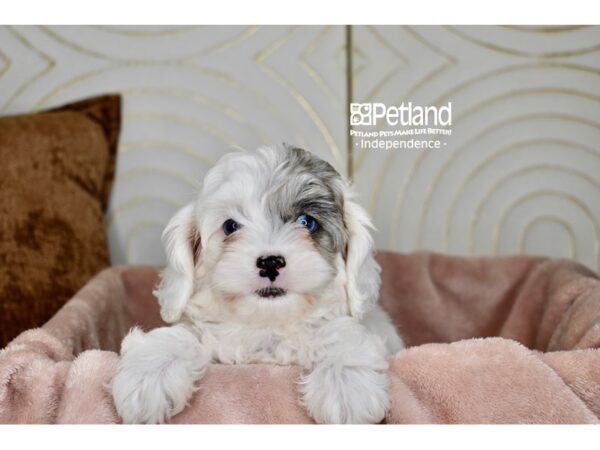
{"points": [[492, 340]]}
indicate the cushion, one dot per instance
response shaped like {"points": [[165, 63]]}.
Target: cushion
{"points": [[55, 181], [511, 339]]}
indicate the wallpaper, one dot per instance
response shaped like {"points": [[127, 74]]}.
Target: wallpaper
{"points": [[519, 174], [521, 171]]}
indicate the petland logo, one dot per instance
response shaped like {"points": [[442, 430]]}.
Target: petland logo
{"points": [[412, 126], [405, 114]]}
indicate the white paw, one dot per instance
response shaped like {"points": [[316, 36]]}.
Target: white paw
{"points": [[334, 394], [156, 374]]}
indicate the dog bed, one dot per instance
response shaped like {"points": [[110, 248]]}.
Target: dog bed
{"points": [[490, 340]]}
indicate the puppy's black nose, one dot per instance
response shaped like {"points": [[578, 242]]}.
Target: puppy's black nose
{"points": [[269, 266]]}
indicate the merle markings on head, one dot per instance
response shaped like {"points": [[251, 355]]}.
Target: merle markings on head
{"points": [[273, 235]]}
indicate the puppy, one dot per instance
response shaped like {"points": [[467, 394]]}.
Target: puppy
{"points": [[272, 263]]}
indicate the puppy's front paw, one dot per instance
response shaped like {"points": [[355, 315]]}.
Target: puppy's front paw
{"points": [[140, 396], [156, 374], [333, 394]]}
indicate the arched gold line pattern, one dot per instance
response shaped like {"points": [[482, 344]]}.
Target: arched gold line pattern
{"points": [[183, 120], [503, 152], [390, 74], [187, 95], [127, 147], [383, 41], [50, 64], [260, 59], [136, 173], [445, 96], [358, 55], [524, 92], [553, 219], [220, 76], [507, 178], [510, 69], [201, 100], [514, 52], [131, 234], [549, 192], [73, 46], [426, 79], [7, 63], [116, 212], [450, 61], [68, 84], [448, 58], [144, 32], [100, 55], [545, 29], [476, 217], [258, 97], [312, 72], [455, 90], [453, 157], [240, 37], [227, 79], [209, 72], [379, 85], [418, 161], [402, 193]]}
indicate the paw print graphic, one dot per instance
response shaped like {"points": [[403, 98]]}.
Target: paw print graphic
{"points": [[360, 114]]}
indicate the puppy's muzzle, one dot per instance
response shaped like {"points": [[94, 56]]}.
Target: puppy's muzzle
{"points": [[269, 266]]}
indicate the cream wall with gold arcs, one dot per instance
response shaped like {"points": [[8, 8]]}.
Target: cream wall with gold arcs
{"points": [[521, 172], [190, 95]]}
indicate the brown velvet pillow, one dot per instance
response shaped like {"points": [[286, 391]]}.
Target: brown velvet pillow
{"points": [[56, 172]]}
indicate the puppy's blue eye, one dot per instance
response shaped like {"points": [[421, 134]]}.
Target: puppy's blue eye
{"points": [[230, 226], [307, 222]]}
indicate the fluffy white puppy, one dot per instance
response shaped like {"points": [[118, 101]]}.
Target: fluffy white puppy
{"points": [[272, 263]]}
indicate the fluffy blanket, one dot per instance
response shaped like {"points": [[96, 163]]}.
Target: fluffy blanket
{"points": [[491, 340]]}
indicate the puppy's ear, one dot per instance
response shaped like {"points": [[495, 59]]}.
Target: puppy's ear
{"points": [[362, 271], [181, 241]]}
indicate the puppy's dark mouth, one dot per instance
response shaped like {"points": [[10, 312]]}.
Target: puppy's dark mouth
{"points": [[270, 292]]}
